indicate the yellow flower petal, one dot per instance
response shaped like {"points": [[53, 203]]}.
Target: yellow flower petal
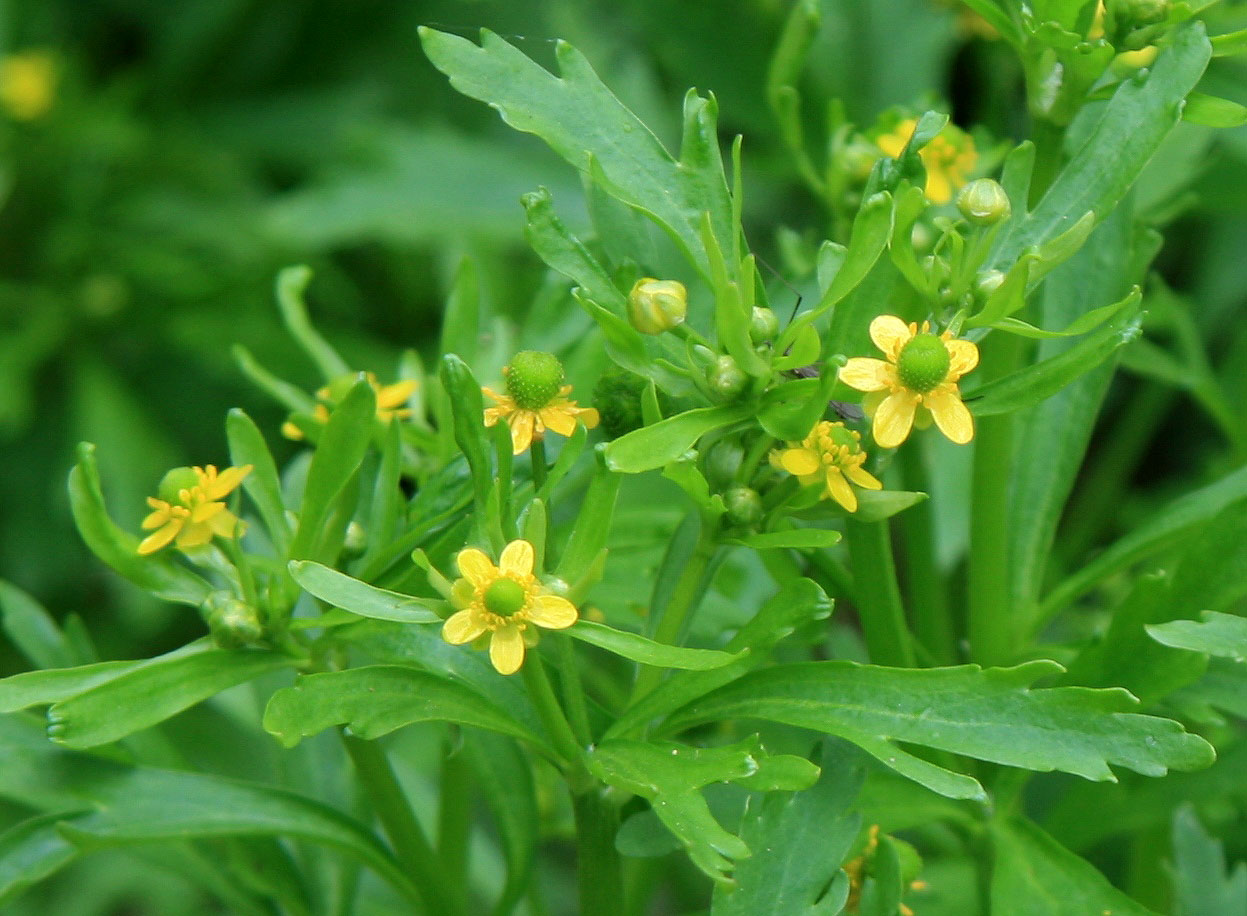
{"points": [[223, 524], [205, 511], [862, 477], [517, 559], [462, 627], [867, 374], [194, 535], [892, 143], [588, 416], [396, 394], [221, 485], [890, 334], [501, 399], [951, 416], [894, 418], [552, 612], [506, 649], [476, 567], [963, 356], [558, 418], [799, 461], [838, 489], [938, 190], [158, 539], [522, 422]]}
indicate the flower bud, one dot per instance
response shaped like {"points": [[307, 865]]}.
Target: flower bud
{"points": [[726, 379], [763, 325], [984, 202], [534, 378], [655, 306], [232, 623], [1130, 14], [723, 461], [744, 506]]}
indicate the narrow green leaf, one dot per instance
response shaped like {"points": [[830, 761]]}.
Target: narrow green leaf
{"points": [[563, 252], [991, 714], [377, 699], [281, 391], [31, 851], [1036, 876], [592, 527], [876, 505], [1135, 122], [468, 410], [51, 685], [585, 123], [461, 321], [350, 594], [157, 573], [505, 780], [32, 630], [639, 649], [1035, 383], [291, 284], [1088, 321], [1203, 885], [652, 447], [339, 452], [805, 350], [1222, 635], [1229, 44], [1210, 111], [163, 687], [247, 446], [798, 538]]}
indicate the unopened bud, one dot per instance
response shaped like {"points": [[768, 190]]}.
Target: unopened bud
{"points": [[232, 623], [655, 306], [984, 202], [726, 379], [723, 461], [1134, 13], [744, 506], [763, 325]]}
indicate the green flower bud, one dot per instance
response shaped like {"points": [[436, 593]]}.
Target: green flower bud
{"points": [[726, 379], [984, 202], [1128, 14], [763, 325], [534, 378], [232, 623], [655, 306], [923, 363], [174, 482], [722, 462], [744, 506]]}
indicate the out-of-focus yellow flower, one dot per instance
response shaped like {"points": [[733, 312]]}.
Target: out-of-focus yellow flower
{"points": [[831, 455], [390, 399], [503, 601], [919, 378], [27, 84], [948, 158], [536, 400], [189, 508]]}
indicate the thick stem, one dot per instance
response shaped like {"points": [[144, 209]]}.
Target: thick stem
{"points": [[928, 598], [454, 816], [411, 846], [878, 596], [573, 689], [600, 876], [537, 452], [541, 692], [992, 627]]}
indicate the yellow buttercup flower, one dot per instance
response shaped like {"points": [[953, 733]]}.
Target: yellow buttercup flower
{"points": [[189, 508], [536, 400], [948, 158], [832, 455], [390, 399], [503, 601], [27, 84], [918, 380]]}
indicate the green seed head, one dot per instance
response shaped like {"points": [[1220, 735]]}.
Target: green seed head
{"points": [[1133, 13], [923, 363], [984, 202], [534, 378], [655, 306], [505, 596], [174, 482]]}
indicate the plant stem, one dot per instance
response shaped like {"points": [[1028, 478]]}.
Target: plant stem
{"points": [[573, 690], [878, 596], [411, 846], [687, 593], [537, 452], [928, 599], [1049, 141], [454, 815], [541, 692], [992, 617], [600, 875]]}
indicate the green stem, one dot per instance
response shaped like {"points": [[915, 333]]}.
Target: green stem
{"points": [[928, 598], [454, 816], [573, 690], [390, 804], [878, 596], [684, 332], [992, 627], [686, 595], [749, 465], [541, 692], [537, 452], [1049, 141], [600, 876]]}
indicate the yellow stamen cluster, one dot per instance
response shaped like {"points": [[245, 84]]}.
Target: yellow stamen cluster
{"points": [[949, 157], [193, 514], [503, 601], [390, 401], [831, 455]]}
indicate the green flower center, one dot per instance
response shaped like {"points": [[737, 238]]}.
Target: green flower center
{"points": [[534, 379], [923, 363], [505, 596], [175, 482]]}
